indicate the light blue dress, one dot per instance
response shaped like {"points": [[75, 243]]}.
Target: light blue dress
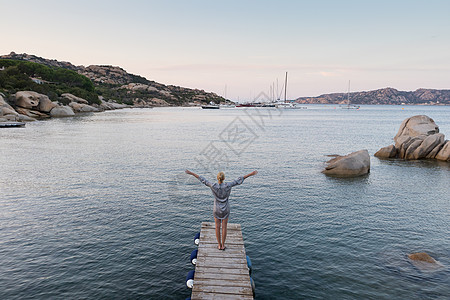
{"points": [[221, 193]]}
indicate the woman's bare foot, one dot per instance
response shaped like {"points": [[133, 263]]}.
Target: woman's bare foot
{"points": [[219, 247]]}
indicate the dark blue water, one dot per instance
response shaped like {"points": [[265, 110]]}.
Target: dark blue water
{"points": [[97, 206]]}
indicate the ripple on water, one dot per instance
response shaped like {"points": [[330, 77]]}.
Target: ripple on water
{"points": [[102, 209]]}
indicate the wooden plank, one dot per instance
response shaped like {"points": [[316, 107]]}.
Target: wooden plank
{"points": [[224, 283], [219, 270], [216, 296], [213, 246], [236, 290], [223, 276], [231, 254], [230, 234], [235, 262]]}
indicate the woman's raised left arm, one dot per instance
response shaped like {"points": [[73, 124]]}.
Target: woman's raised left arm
{"points": [[191, 173]]}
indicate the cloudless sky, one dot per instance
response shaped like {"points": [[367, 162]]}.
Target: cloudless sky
{"points": [[244, 45]]}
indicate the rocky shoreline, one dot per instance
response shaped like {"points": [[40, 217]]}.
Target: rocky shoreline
{"points": [[27, 106]]}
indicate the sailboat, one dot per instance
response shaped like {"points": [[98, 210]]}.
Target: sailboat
{"points": [[211, 105], [287, 104], [227, 104], [349, 106]]}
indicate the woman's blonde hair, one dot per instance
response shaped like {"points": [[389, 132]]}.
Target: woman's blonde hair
{"points": [[221, 177]]}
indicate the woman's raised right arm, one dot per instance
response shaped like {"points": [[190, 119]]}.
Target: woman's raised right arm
{"points": [[251, 174]]}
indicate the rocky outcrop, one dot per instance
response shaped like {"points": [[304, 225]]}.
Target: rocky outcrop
{"points": [[30, 106], [34, 101], [126, 87], [8, 114], [351, 165], [33, 105], [417, 138]]}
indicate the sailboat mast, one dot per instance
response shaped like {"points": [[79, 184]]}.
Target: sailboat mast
{"points": [[278, 95], [348, 94], [285, 88]]}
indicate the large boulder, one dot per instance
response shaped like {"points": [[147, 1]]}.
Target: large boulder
{"points": [[73, 98], [444, 152], [417, 138], [34, 101], [45, 104], [28, 99], [88, 108], [351, 165], [7, 111], [35, 114], [387, 152], [4, 104], [24, 118], [419, 125], [62, 111], [79, 107]]}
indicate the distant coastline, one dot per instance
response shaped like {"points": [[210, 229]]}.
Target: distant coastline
{"points": [[386, 96], [112, 84]]}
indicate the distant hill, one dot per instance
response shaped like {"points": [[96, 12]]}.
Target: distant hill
{"points": [[384, 96], [112, 82]]}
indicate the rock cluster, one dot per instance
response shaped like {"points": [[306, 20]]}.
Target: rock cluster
{"points": [[31, 106], [417, 138], [140, 90], [27, 108], [351, 165]]}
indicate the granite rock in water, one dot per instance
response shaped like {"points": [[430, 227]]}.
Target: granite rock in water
{"points": [[417, 138], [421, 256], [444, 152], [425, 262], [62, 111], [351, 165]]}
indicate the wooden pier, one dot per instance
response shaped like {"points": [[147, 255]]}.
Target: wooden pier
{"points": [[221, 274]]}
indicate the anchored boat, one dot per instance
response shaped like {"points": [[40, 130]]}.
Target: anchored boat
{"points": [[11, 124]]}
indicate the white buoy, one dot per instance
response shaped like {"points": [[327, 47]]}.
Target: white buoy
{"points": [[197, 239], [190, 283]]}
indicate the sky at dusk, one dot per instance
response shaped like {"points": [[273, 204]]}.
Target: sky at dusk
{"points": [[243, 45]]}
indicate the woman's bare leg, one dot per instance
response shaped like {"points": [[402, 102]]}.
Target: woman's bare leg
{"points": [[218, 223], [224, 232]]}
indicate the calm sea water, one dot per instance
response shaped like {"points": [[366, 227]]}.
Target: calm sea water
{"points": [[97, 206]]}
